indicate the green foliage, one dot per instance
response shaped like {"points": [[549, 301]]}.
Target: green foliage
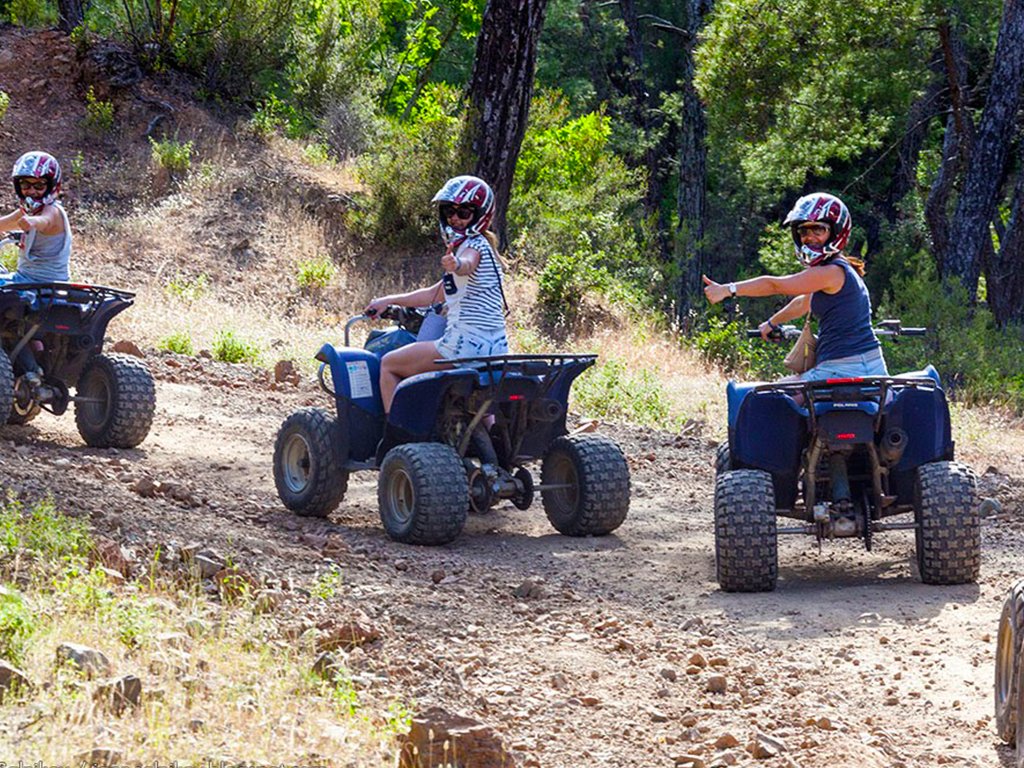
{"points": [[796, 89], [724, 343], [315, 273], [77, 164], [5, 102], [17, 625], [9, 258], [576, 208], [40, 531], [99, 114], [612, 389], [327, 584], [316, 153], [179, 342], [228, 348], [187, 289], [171, 154], [31, 13], [408, 164]]}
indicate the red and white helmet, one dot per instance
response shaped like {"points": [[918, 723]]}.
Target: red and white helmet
{"points": [[827, 209], [38, 165], [465, 190]]}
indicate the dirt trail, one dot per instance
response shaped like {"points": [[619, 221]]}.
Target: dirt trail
{"points": [[606, 655]]}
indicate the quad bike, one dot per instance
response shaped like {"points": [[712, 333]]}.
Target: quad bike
{"points": [[437, 457], [842, 456], [1009, 684], [52, 341]]}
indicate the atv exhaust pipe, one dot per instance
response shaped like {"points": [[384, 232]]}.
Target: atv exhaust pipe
{"points": [[894, 442]]}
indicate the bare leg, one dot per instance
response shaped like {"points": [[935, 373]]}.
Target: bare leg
{"points": [[404, 362]]}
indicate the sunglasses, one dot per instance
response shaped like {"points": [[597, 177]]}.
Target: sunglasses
{"points": [[38, 186], [815, 229], [462, 211]]}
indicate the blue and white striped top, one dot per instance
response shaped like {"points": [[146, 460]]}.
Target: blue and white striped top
{"points": [[476, 303]]}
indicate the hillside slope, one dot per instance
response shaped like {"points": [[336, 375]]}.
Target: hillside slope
{"points": [[576, 651]]}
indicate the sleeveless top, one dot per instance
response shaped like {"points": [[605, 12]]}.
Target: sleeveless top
{"points": [[474, 301], [844, 318], [46, 258]]}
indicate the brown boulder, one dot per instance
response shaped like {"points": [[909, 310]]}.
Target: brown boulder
{"points": [[439, 737]]}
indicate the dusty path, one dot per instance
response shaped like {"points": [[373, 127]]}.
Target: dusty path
{"points": [[605, 656]]}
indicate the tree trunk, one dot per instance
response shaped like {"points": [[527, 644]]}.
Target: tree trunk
{"points": [[499, 94], [977, 203], [70, 14], [1004, 273], [691, 198]]}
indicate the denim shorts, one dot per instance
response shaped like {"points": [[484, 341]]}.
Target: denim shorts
{"points": [[458, 343], [869, 364]]}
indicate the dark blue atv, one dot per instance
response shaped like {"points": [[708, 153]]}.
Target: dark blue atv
{"points": [[438, 459], [51, 342], [842, 456]]}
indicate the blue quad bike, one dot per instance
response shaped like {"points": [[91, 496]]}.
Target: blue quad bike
{"points": [[842, 457], [454, 441], [52, 342]]}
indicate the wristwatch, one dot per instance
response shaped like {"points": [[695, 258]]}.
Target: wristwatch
{"points": [[732, 290]]}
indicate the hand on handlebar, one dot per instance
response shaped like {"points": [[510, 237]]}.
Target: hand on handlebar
{"points": [[376, 307], [768, 333]]}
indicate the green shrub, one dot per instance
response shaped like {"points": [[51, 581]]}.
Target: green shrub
{"points": [[5, 102], [179, 342], [187, 289], [612, 390], [228, 348], [40, 531], [407, 164], [317, 153], [315, 273], [31, 13], [99, 114], [172, 155], [17, 625], [9, 258], [724, 343]]}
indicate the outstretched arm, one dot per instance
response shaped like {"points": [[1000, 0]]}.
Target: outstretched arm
{"points": [[12, 221], [419, 298], [828, 278]]}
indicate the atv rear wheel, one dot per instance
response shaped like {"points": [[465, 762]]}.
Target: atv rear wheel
{"points": [[23, 414], [118, 398], [308, 465], [594, 497], [746, 538], [6, 387], [423, 493], [1008, 662], [948, 528]]}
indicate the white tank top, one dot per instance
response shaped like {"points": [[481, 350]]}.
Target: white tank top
{"points": [[46, 258]]}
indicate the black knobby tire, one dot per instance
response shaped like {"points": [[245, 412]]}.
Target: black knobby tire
{"points": [[723, 459], [1009, 653], [308, 467], [1019, 697], [948, 526], [746, 537], [6, 387], [423, 493], [595, 498], [119, 399]]}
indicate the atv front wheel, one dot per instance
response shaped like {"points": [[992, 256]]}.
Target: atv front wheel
{"points": [[592, 479], [1008, 662], [115, 401], [308, 465], [423, 493], [948, 528], [23, 414], [746, 538]]}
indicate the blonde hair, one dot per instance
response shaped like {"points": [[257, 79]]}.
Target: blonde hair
{"points": [[857, 264]]}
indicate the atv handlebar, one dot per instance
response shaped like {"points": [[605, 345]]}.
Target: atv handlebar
{"points": [[410, 318], [13, 237], [886, 328]]}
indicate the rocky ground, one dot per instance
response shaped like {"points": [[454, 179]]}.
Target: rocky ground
{"points": [[616, 651]]}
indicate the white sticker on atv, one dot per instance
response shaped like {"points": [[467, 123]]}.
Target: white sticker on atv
{"points": [[359, 383]]}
